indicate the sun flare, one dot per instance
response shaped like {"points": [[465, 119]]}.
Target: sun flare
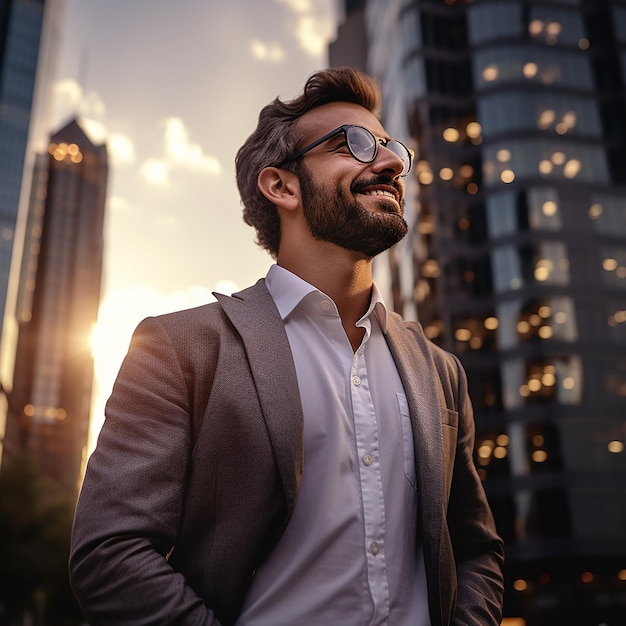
{"points": [[118, 316]]}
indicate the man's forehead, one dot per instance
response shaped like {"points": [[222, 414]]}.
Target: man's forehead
{"points": [[327, 117]]}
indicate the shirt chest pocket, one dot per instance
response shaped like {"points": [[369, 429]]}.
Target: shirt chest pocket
{"points": [[408, 450]]}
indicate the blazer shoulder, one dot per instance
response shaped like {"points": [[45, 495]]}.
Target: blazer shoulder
{"points": [[206, 317]]}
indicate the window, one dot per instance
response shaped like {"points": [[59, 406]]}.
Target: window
{"points": [[545, 262], [499, 65], [494, 20], [548, 159], [551, 113], [555, 381]]}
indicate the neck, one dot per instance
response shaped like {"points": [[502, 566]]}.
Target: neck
{"points": [[343, 275]]}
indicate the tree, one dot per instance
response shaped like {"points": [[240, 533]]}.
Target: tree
{"points": [[35, 525]]}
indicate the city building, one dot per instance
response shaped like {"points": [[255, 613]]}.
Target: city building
{"points": [[57, 307], [29, 36], [517, 263]]}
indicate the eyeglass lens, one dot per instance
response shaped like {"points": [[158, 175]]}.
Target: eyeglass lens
{"points": [[363, 146]]}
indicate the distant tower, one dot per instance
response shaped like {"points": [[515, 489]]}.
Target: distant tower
{"points": [[57, 307], [28, 45]]}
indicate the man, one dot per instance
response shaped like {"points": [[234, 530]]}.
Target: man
{"points": [[295, 453]]}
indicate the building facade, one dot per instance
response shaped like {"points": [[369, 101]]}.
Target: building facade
{"points": [[57, 307], [517, 263], [29, 33]]}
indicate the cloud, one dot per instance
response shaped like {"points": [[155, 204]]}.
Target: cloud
{"points": [[312, 31], [121, 149], [267, 52], [68, 95], [313, 35], [95, 129], [178, 152], [155, 172], [71, 101], [118, 204], [298, 6]]}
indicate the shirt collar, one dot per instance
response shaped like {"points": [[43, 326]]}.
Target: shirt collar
{"points": [[288, 291]]}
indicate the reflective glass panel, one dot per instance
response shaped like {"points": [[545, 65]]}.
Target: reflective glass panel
{"points": [[502, 64], [553, 113]]}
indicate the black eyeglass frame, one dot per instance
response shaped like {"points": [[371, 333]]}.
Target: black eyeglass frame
{"points": [[344, 129]]}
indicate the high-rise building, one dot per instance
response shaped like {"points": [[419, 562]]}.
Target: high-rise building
{"points": [[517, 263], [29, 34], [57, 307]]}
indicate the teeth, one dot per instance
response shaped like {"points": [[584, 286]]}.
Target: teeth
{"points": [[379, 192]]}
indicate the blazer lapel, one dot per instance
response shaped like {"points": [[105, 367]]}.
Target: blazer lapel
{"points": [[419, 378], [254, 315]]}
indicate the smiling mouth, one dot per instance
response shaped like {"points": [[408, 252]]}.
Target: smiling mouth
{"points": [[385, 194], [380, 192]]}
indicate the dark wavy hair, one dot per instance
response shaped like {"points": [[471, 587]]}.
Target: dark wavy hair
{"points": [[275, 139]]}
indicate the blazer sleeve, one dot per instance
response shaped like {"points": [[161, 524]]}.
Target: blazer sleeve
{"points": [[130, 504], [478, 550]]}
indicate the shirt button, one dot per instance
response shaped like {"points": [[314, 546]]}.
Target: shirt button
{"points": [[325, 305], [368, 459], [374, 548], [356, 380]]}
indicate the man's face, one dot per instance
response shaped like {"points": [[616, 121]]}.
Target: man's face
{"points": [[357, 206], [335, 214]]}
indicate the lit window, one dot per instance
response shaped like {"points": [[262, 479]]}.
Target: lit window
{"points": [[490, 73], [491, 323], [446, 173], [451, 135], [425, 178], [549, 208], [571, 169], [467, 171], [545, 166], [545, 332], [473, 130], [507, 176], [530, 70], [503, 155], [558, 158], [546, 118], [462, 334], [535, 28], [595, 211]]}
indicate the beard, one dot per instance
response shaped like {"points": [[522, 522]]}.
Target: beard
{"points": [[336, 216]]}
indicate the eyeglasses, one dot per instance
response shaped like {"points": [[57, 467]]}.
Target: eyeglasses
{"points": [[363, 146]]}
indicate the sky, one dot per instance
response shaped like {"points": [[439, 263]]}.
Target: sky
{"points": [[174, 88]]}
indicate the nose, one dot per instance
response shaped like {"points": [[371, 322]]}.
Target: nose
{"points": [[387, 161]]}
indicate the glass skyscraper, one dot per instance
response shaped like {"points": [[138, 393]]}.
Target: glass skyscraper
{"points": [[28, 38], [29, 35], [517, 263]]}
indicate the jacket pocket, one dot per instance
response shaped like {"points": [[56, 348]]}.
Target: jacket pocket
{"points": [[450, 433]]}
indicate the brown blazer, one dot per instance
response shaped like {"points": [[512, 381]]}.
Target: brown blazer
{"points": [[198, 466]]}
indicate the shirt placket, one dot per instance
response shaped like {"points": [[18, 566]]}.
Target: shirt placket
{"points": [[367, 444]]}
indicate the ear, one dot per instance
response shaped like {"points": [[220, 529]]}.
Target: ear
{"points": [[280, 187]]}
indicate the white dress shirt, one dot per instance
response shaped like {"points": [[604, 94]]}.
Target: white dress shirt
{"points": [[350, 554]]}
